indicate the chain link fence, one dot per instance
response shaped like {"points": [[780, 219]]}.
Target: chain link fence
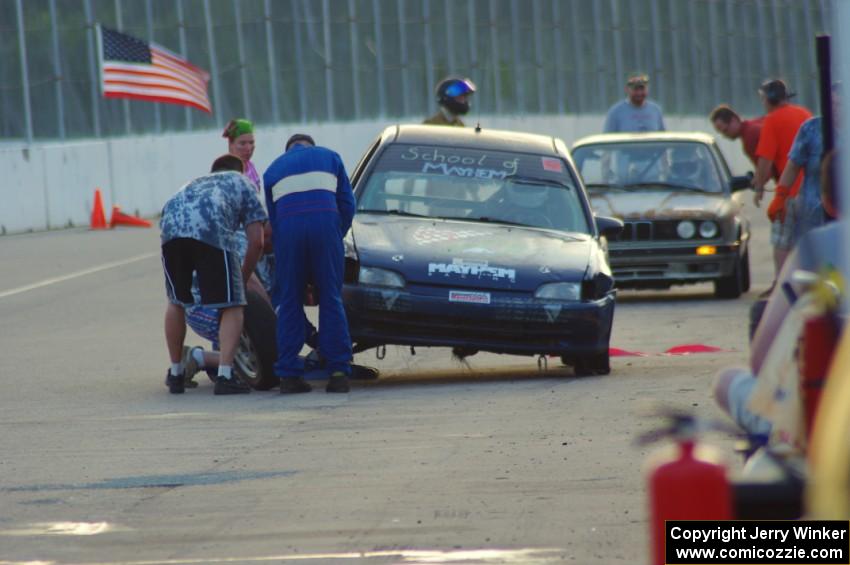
{"points": [[285, 61]]}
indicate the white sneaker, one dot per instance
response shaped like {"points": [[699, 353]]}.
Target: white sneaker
{"points": [[191, 367]]}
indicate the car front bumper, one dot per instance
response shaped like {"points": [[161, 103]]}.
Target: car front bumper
{"points": [[646, 265], [510, 323]]}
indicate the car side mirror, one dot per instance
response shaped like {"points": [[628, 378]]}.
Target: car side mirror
{"points": [[609, 227], [742, 183]]}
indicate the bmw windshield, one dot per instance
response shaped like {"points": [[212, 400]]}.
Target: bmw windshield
{"points": [[648, 166], [474, 185]]}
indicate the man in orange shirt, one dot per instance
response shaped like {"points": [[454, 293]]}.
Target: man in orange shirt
{"points": [[777, 135]]}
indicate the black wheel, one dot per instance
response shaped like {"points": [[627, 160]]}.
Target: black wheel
{"points": [[745, 270], [257, 350], [731, 286], [588, 365]]}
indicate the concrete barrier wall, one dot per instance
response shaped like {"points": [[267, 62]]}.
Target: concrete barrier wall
{"points": [[51, 185]]}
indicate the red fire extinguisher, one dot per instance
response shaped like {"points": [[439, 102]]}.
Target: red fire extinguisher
{"points": [[817, 344], [688, 484]]}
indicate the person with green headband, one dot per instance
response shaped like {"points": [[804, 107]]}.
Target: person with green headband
{"points": [[240, 142]]}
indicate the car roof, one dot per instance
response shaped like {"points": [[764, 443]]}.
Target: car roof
{"points": [[483, 138], [692, 136]]}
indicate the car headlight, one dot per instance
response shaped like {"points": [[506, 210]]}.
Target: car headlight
{"points": [[380, 277], [686, 229], [708, 230], [348, 246], [559, 291]]}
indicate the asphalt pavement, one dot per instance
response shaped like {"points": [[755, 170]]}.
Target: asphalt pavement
{"points": [[495, 460]]}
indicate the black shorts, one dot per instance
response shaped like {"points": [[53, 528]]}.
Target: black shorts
{"points": [[219, 274]]}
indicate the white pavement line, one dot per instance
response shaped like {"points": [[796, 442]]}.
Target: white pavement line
{"points": [[436, 556], [76, 274]]}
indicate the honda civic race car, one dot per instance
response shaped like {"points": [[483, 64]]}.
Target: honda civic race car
{"points": [[478, 241], [674, 191]]}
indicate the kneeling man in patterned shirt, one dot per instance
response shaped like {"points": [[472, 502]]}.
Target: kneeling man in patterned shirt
{"points": [[199, 237]]}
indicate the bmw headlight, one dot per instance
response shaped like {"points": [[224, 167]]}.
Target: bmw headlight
{"points": [[708, 230], [380, 277], [570, 292], [686, 229]]}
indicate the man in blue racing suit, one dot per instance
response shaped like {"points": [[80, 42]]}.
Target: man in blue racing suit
{"points": [[311, 207]]}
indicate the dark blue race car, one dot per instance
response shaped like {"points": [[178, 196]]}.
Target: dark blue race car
{"points": [[479, 241]]}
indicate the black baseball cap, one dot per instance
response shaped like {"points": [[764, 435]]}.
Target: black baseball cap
{"points": [[299, 137], [775, 91]]}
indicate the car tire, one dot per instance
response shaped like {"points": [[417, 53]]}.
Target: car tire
{"points": [[257, 350], [589, 365], [733, 285], [745, 270]]}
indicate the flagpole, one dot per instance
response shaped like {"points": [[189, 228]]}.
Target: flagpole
{"points": [[213, 63], [119, 19], [181, 23]]}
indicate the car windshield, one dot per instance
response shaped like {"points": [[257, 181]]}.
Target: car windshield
{"points": [[642, 165], [474, 185]]}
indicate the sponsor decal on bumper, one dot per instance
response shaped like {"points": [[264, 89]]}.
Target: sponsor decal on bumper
{"points": [[469, 297]]}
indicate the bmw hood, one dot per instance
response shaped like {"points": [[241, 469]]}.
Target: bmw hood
{"points": [[659, 204], [470, 254]]}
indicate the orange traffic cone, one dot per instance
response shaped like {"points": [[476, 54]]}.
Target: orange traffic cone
{"points": [[98, 218], [119, 218]]}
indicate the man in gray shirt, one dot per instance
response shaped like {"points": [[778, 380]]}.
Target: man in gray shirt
{"points": [[636, 113]]}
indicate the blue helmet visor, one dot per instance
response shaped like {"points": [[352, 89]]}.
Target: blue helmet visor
{"points": [[459, 88]]}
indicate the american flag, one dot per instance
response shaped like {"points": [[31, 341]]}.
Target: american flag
{"points": [[132, 68]]}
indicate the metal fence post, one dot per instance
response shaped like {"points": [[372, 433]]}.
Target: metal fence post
{"points": [[658, 70], [578, 61], [94, 77], [518, 77], [243, 67], [559, 57], [355, 57], [794, 27], [695, 82], [734, 75], [764, 56], [379, 58], [474, 63], [405, 78], [157, 109], [675, 43], [538, 57], [779, 44], [450, 36], [600, 54], [636, 43], [25, 76], [329, 77], [714, 73], [809, 40], [213, 63], [299, 57], [429, 48], [267, 16], [57, 70], [181, 30], [494, 55], [617, 26]]}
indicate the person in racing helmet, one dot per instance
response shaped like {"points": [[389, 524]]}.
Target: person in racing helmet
{"points": [[453, 96], [521, 203], [686, 166]]}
